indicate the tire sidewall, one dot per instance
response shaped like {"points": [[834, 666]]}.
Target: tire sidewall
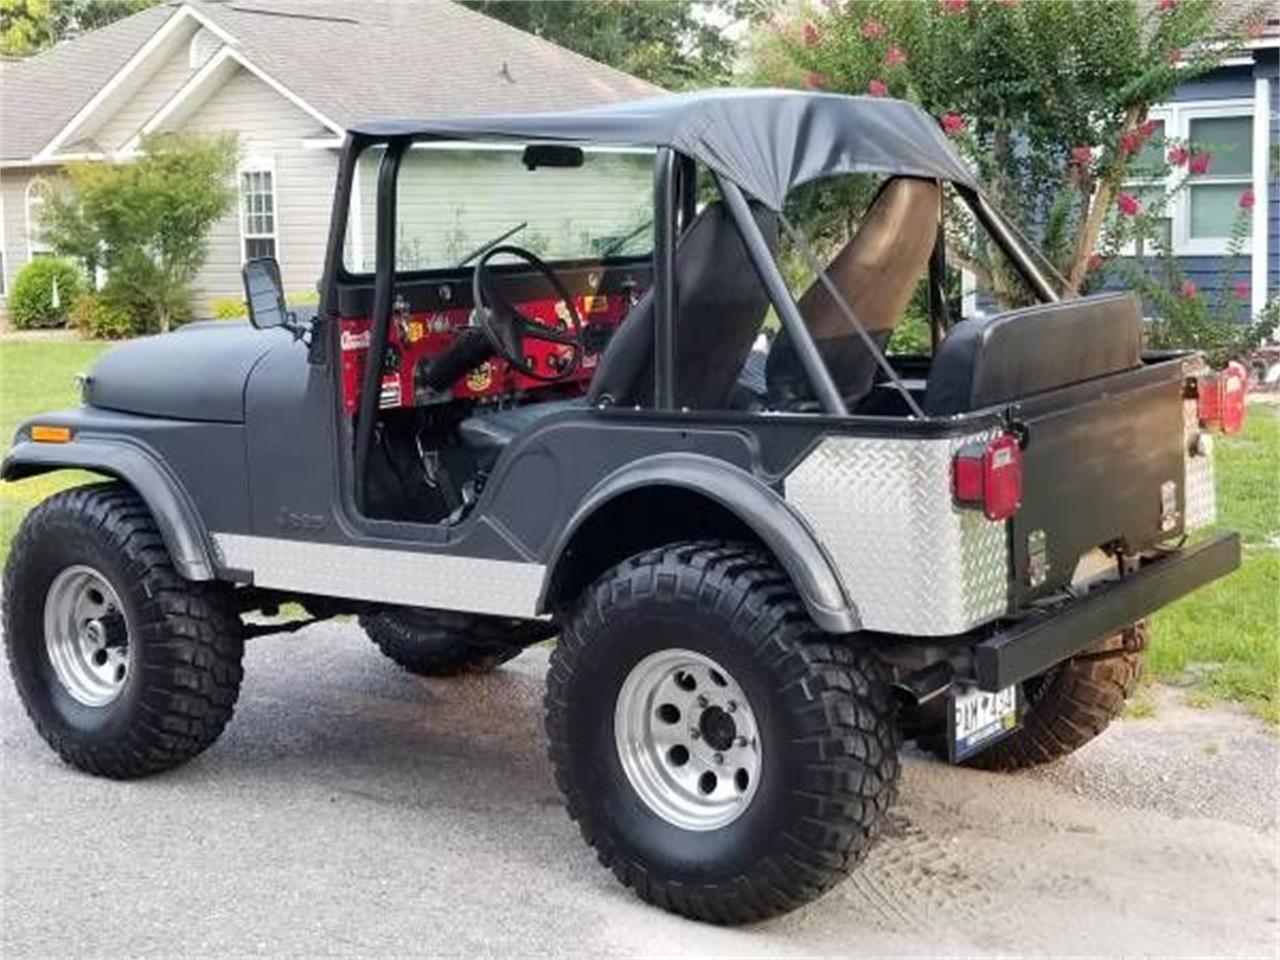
{"points": [[615, 813], [64, 542]]}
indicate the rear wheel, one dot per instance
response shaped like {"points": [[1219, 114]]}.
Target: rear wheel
{"points": [[125, 668], [727, 760], [444, 643], [1071, 704]]}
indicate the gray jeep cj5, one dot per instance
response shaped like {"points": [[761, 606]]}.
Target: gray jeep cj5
{"points": [[764, 566]]}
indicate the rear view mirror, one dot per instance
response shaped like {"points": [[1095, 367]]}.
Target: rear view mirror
{"points": [[264, 293], [551, 155]]}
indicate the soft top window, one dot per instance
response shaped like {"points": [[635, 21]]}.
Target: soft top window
{"points": [[453, 200]]}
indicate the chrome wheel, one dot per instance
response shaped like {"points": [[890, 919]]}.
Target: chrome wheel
{"points": [[86, 635], [687, 739]]}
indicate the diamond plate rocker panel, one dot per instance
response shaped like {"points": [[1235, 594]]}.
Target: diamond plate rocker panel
{"points": [[442, 581], [911, 561]]}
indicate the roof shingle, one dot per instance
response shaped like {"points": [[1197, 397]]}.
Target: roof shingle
{"points": [[349, 59]]}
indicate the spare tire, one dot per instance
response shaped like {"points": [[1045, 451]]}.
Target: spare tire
{"points": [[445, 643], [1072, 703]]}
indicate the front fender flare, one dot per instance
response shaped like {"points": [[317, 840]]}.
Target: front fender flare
{"points": [[783, 532], [175, 515]]}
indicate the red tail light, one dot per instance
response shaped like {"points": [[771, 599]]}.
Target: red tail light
{"points": [[1220, 398], [989, 475]]}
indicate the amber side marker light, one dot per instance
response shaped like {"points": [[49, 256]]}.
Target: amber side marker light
{"points": [[51, 434]]}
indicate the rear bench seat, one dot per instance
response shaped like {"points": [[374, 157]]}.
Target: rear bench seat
{"points": [[992, 360]]}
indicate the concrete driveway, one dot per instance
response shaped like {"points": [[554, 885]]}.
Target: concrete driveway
{"points": [[351, 809]]}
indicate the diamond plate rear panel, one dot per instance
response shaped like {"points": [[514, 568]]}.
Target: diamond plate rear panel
{"points": [[1201, 496], [911, 561], [414, 579]]}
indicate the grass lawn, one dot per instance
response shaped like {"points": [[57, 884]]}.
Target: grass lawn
{"points": [[36, 376], [1222, 642]]}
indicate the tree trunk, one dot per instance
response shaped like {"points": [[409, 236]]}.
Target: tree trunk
{"points": [[1091, 224]]}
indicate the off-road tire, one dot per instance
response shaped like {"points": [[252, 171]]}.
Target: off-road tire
{"points": [[1071, 704], [186, 671], [828, 734], [443, 643]]}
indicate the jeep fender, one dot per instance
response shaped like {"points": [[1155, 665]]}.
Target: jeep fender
{"points": [[758, 507], [174, 514]]}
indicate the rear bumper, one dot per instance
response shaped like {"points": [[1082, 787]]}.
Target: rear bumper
{"points": [[1042, 639]]}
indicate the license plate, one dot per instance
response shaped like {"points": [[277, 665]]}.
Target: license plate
{"points": [[978, 719]]}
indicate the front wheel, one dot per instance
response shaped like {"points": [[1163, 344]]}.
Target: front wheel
{"points": [[125, 668], [727, 760]]}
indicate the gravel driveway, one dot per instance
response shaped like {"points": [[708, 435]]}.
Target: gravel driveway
{"points": [[351, 809]]}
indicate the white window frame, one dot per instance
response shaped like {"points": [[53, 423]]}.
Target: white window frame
{"points": [[1177, 117], [35, 248], [258, 165], [1130, 247]]}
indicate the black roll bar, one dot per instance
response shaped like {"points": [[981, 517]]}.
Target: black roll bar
{"points": [[384, 288], [664, 270], [824, 387]]}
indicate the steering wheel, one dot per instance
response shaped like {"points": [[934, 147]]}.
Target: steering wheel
{"points": [[507, 328]]}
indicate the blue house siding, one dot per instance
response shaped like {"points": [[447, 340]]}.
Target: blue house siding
{"points": [[1225, 83], [1269, 66]]}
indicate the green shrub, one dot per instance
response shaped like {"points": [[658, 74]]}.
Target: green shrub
{"points": [[96, 318], [32, 303], [228, 308]]}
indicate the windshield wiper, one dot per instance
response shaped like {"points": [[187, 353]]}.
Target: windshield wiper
{"points": [[490, 244], [619, 242]]}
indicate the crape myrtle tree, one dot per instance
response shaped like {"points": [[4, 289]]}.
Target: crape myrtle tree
{"points": [[145, 223], [1047, 99]]}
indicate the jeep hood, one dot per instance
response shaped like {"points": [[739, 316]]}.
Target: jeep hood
{"points": [[195, 373]]}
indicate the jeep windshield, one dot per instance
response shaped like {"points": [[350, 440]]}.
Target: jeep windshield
{"points": [[601, 208]]}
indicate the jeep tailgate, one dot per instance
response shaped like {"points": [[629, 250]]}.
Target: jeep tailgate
{"points": [[1103, 465]]}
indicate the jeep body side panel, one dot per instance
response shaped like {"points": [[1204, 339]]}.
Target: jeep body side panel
{"points": [[911, 561], [190, 474], [303, 532]]}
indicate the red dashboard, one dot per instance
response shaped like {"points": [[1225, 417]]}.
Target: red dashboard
{"points": [[417, 336]]}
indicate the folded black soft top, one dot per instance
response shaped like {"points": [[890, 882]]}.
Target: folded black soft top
{"points": [[765, 141]]}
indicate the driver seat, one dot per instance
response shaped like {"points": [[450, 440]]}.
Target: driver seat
{"points": [[720, 306]]}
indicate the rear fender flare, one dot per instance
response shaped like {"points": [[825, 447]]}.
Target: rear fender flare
{"points": [[175, 515], [759, 508]]}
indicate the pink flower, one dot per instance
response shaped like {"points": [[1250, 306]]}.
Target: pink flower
{"points": [[894, 57], [873, 29], [1096, 262], [1253, 29], [1199, 162], [1188, 289], [877, 88], [1128, 204], [1247, 199], [1081, 155], [1148, 128], [1172, 56], [1177, 156], [954, 123], [1167, 5], [1243, 290], [814, 81], [811, 34], [954, 6], [1130, 143]]}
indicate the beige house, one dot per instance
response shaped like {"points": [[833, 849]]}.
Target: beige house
{"points": [[287, 76]]}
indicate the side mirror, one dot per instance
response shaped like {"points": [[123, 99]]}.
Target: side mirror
{"points": [[264, 293]]}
